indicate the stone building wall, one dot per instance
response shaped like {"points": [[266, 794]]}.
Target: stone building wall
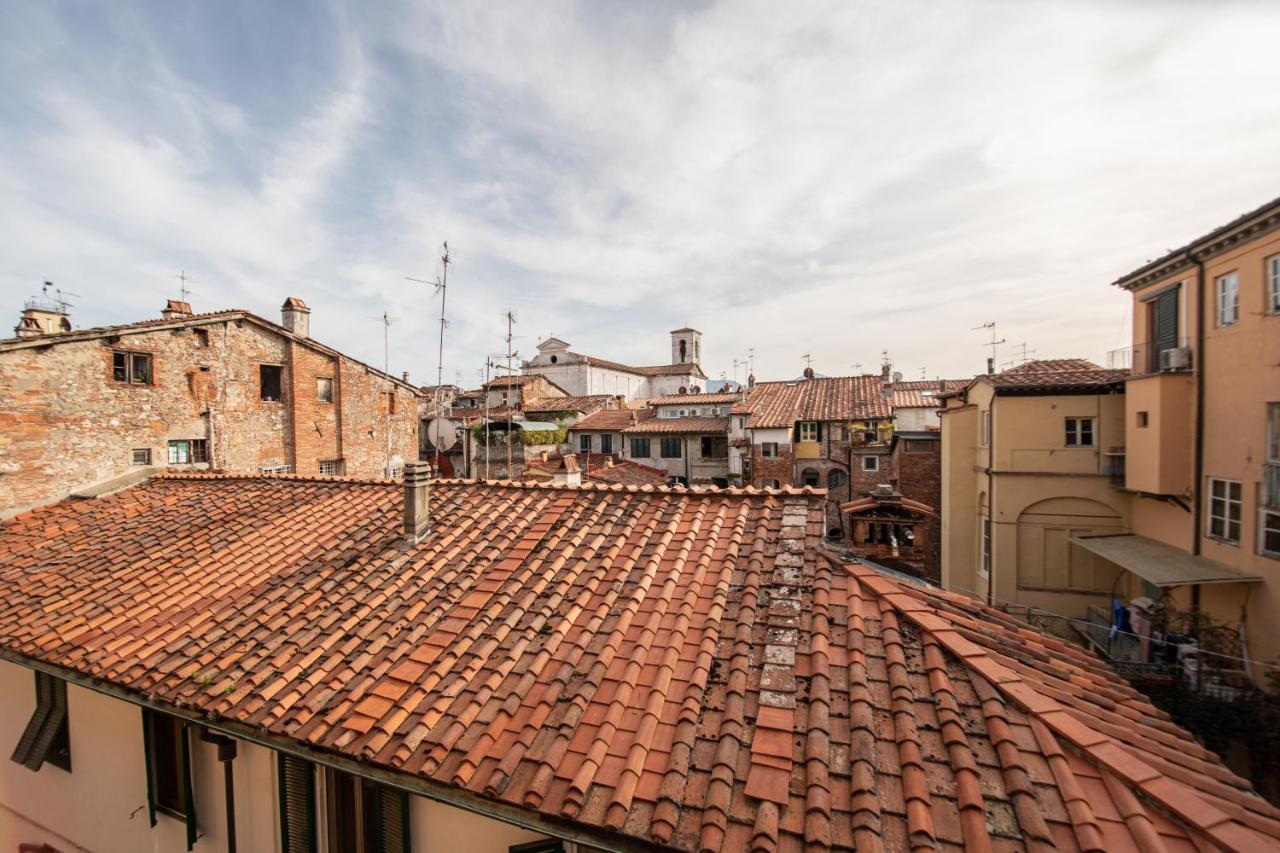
{"points": [[66, 424], [918, 476]]}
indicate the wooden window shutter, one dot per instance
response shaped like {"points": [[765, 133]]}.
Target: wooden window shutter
{"points": [[148, 752], [188, 794], [1166, 320], [393, 820], [297, 804], [37, 744]]}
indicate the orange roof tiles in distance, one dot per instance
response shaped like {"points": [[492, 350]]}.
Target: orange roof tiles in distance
{"points": [[693, 399], [613, 420], [679, 425], [776, 405], [589, 403], [656, 665]]}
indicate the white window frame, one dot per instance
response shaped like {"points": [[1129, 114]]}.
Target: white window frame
{"points": [[329, 467], [1268, 519], [1075, 432], [809, 431], [1228, 291], [1273, 284], [768, 450], [986, 428], [1225, 503], [871, 463]]}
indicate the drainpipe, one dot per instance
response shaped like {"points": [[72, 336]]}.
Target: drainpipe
{"points": [[1198, 506], [1196, 489], [226, 754], [991, 499]]}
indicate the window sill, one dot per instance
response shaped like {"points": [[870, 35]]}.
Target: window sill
{"points": [[1234, 543], [171, 812]]}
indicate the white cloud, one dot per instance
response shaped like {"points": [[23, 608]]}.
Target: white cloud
{"points": [[828, 178]]}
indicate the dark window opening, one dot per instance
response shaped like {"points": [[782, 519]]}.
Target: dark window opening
{"points": [[715, 447], [142, 456], [584, 442], [836, 478], [201, 337], [324, 389], [131, 368], [46, 737], [810, 477], [769, 450], [1144, 420], [1079, 432], [169, 755], [270, 378], [606, 443], [640, 448], [671, 448], [365, 817]]}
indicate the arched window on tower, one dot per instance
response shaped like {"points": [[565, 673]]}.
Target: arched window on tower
{"points": [[810, 477]]}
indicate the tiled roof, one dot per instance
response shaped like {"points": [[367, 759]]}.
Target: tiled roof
{"points": [[780, 404], [692, 399], [680, 425], [924, 393], [613, 420], [513, 380], [690, 368], [187, 322], [674, 666], [1055, 373], [589, 403], [628, 473]]}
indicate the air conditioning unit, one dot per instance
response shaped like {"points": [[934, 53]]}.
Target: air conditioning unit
{"points": [[1178, 358]]}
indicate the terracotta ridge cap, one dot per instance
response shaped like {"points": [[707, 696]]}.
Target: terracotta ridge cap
{"points": [[175, 474], [1175, 799]]}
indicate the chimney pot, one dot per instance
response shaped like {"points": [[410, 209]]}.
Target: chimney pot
{"points": [[176, 309], [296, 317], [417, 508]]}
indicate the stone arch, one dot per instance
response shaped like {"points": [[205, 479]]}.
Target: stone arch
{"points": [[810, 477], [1046, 558]]}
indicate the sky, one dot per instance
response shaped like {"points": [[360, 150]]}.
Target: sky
{"points": [[826, 179]]}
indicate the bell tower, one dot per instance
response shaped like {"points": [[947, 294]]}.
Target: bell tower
{"points": [[686, 346]]}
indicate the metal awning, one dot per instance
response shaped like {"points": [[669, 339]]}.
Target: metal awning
{"points": [[1157, 563]]}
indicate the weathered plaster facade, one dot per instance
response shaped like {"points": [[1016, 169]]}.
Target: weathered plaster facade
{"points": [[67, 423]]}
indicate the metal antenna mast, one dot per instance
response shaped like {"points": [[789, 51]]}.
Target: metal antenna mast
{"points": [[441, 286], [183, 290], [511, 319], [751, 357], [993, 343]]}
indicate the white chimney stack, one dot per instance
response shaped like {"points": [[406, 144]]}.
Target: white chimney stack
{"points": [[296, 317]]}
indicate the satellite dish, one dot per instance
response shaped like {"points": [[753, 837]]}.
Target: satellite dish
{"points": [[442, 433]]}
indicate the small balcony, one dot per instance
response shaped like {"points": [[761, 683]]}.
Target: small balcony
{"points": [[1146, 358]]}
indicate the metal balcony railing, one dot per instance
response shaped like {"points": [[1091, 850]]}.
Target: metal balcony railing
{"points": [[1145, 358]]}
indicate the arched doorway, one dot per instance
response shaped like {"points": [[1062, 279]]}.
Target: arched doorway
{"points": [[1046, 558]]}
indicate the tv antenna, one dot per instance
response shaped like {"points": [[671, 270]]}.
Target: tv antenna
{"points": [[751, 358], [183, 290], [1024, 356], [993, 343], [808, 360], [386, 320], [61, 296], [510, 317], [441, 285]]}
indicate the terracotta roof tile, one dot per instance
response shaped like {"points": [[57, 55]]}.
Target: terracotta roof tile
{"points": [[776, 405], [679, 425], [658, 662]]}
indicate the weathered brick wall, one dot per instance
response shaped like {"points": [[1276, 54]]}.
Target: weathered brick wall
{"points": [[777, 467], [65, 424], [316, 434], [366, 401], [919, 477]]}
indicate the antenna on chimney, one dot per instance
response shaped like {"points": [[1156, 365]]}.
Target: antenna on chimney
{"points": [[808, 360], [993, 343], [386, 320], [183, 290]]}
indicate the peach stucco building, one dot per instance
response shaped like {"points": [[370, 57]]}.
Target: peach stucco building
{"points": [[1202, 406]]}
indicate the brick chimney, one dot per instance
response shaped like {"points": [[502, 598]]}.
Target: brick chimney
{"points": [[417, 502], [751, 381], [296, 317], [176, 309]]}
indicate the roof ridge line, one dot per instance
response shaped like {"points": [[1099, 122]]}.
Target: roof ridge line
{"points": [[1100, 749]]}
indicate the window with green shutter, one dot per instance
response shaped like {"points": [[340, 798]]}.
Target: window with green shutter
{"points": [[46, 737], [297, 804]]}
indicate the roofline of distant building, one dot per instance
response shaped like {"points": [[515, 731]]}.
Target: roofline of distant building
{"points": [[1246, 227], [206, 319]]}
